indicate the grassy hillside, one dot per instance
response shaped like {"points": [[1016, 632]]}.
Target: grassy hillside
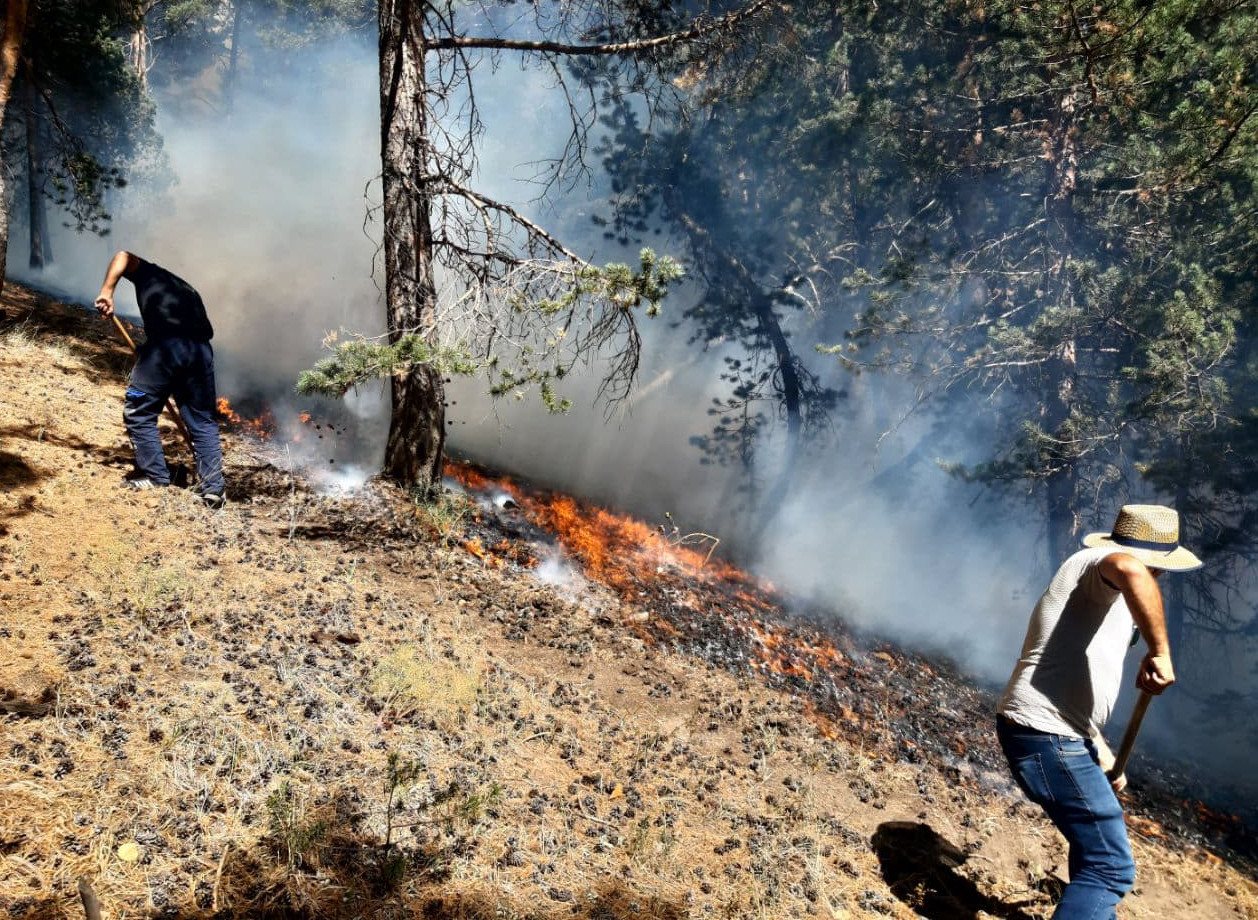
{"points": [[305, 706]]}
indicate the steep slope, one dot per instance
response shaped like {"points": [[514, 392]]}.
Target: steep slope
{"points": [[307, 706]]}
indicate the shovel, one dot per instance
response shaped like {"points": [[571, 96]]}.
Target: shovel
{"points": [[1129, 736]]}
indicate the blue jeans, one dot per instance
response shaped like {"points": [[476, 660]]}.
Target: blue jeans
{"points": [[184, 369], [1062, 775]]}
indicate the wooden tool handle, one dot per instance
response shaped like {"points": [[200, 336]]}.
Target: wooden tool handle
{"points": [[123, 331], [170, 406], [1129, 736]]}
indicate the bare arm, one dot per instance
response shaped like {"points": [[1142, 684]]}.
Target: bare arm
{"points": [[121, 265], [1144, 599]]}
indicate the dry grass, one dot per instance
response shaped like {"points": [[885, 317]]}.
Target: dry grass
{"points": [[445, 513], [420, 680], [477, 747]]}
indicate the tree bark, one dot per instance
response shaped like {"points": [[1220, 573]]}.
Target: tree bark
{"points": [[1062, 385], [10, 54], [414, 451], [37, 213], [791, 401], [1062, 486], [138, 47], [229, 89]]}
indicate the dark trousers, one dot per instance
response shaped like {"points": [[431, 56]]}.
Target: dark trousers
{"points": [[1062, 775], [184, 369]]}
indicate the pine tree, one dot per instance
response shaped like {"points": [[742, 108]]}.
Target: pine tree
{"points": [[528, 308], [88, 122]]}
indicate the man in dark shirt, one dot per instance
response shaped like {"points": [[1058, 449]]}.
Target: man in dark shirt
{"points": [[175, 360]]}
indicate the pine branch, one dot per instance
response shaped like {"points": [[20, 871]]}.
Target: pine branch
{"points": [[449, 186], [355, 363], [698, 29]]}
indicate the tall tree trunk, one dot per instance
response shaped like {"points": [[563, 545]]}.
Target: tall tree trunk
{"points": [[229, 88], [10, 54], [792, 402], [1062, 488], [414, 452], [37, 214], [138, 47]]}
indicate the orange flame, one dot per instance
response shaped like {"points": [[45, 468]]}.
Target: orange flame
{"points": [[621, 551], [639, 562], [261, 426], [1145, 827], [477, 549], [475, 481]]}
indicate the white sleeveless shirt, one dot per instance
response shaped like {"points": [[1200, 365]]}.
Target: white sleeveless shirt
{"points": [[1071, 668]]}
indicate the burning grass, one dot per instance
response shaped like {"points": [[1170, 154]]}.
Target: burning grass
{"points": [[615, 549], [692, 599], [260, 425], [857, 688]]}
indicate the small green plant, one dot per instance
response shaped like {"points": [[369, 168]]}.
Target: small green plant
{"points": [[399, 774], [471, 808], [645, 844], [393, 869], [297, 836], [153, 589], [668, 841], [445, 512], [638, 839]]}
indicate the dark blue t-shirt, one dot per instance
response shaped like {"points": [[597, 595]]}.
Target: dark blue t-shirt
{"points": [[170, 307]]}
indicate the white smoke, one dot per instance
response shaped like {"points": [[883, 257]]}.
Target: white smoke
{"points": [[270, 221]]}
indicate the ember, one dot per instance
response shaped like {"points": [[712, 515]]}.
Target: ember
{"points": [[500, 553], [1146, 827]]}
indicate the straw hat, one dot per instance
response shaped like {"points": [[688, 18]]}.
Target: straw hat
{"points": [[1151, 534]]}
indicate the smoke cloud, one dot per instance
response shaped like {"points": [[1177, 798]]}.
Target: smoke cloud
{"points": [[270, 218]]}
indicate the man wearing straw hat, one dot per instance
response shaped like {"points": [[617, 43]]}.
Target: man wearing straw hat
{"points": [[1064, 687]]}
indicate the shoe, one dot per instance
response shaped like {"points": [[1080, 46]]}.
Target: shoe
{"points": [[140, 483], [213, 500]]}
